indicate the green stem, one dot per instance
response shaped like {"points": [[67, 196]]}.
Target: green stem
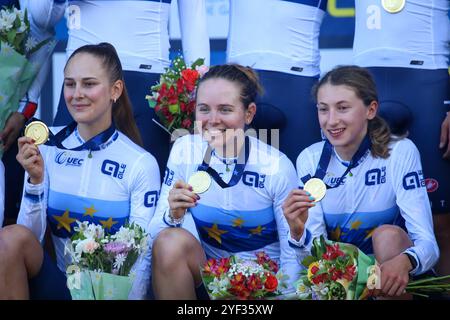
{"points": [[429, 280]]}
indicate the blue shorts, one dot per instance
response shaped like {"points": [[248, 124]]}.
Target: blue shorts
{"points": [[50, 283], [414, 98], [156, 140], [287, 104]]}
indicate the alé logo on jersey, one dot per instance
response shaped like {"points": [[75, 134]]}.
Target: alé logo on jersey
{"points": [[113, 168], [66, 158], [253, 179], [413, 180]]}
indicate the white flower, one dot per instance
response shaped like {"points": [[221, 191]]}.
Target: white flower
{"points": [[7, 20], [88, 245], [119, 261], [218, 285], [30, 43], [303, 291]]}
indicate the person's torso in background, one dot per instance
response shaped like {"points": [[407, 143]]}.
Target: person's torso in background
{"points": [[276, 35], [415, 37], [137, 29]]}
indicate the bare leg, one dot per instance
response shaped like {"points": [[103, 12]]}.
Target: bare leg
{"points": [[388, 242], [21, 258], [176, 260], [442, 232]]}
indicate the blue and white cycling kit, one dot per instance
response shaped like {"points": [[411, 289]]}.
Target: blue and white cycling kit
{"points": [[408, 55], [109, 181], [241, 219], [280, 39], [374, 192]]}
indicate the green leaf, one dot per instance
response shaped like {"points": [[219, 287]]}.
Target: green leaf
{"points": [[308, 260]]}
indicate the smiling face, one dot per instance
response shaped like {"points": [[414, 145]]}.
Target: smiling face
{"points": [[222, 114], [343, 117], [88, 92]]}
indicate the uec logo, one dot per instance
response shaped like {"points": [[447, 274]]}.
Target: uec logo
{"points": [[64, 157]]}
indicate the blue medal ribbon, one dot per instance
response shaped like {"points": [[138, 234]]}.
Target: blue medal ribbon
{"points": [[94, 144], [325, 157], [238, 168]]}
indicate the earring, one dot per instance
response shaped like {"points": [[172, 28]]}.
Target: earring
{"points": [[115, 100]]}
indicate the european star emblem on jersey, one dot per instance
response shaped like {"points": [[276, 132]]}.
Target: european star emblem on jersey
{"points": [[238, 222], [89, 211], [335, 234], [64, 221], [369, 233], [355, 225], [107, 224], [258, 230], [215, 233]]}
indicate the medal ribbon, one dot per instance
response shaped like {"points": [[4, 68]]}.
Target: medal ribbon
{"points": [[94, 144], [325, 157], [238, 168]]}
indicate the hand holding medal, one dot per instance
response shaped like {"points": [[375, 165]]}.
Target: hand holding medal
{"points": [[29, 157]]}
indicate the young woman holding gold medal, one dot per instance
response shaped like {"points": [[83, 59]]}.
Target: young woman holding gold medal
{"points": [[230, 187], [362, 185], [92, 170]]}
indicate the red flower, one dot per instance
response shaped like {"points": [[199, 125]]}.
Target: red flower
{"points": [[333, 252], [254, 283], [271, 283], [186, 123], [190, 77]]}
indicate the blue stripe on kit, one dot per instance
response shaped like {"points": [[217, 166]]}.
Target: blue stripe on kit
{"points": [[33, 197], [322, 4], [357, 228], [249, 218], [235, 231], [103, 208], [60, 229]]}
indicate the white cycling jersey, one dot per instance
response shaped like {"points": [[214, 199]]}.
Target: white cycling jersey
{"points": [[119, 182]]}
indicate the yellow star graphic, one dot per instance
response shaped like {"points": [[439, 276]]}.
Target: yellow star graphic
{"points": [[215, 233], [107, 224], [257, 230], [369, 233], [238, 222], [64, 221], [89, 211], [336, 234], [355, 225]]}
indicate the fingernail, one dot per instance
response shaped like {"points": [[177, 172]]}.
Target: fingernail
{"points": [[190, 188], [307, 193], [312, 198], [198, 197]]}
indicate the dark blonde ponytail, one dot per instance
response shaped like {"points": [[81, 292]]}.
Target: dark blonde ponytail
{"points": [[122, 113]]}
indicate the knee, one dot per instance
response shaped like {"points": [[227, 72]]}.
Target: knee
{"points": [[390, 236], [171, 248], [14, 237]]}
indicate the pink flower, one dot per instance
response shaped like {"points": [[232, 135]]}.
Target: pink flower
{"points": [[202, 70]]}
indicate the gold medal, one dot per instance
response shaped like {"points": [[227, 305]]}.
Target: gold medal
{"points": [[393, 6], [200, 181], [38, 131], [316, 188]]}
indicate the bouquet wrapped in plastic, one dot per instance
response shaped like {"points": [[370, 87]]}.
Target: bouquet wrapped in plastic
{"points": [[17, 68], [234, 278], [102, 263], [340, 271]]}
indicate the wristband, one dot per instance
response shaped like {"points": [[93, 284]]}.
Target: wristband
{"points": [[175, 222], [29, 110]]}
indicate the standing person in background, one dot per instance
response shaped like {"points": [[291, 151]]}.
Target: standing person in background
{"points": [[139, 31], [41, 28], [284, 50], [404, 44]]}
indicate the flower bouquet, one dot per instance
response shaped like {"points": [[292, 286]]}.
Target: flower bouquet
{"points": [[340, 271], [334, 271], [173, 97], [102, 263], [17, 68], [234, 278]]}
